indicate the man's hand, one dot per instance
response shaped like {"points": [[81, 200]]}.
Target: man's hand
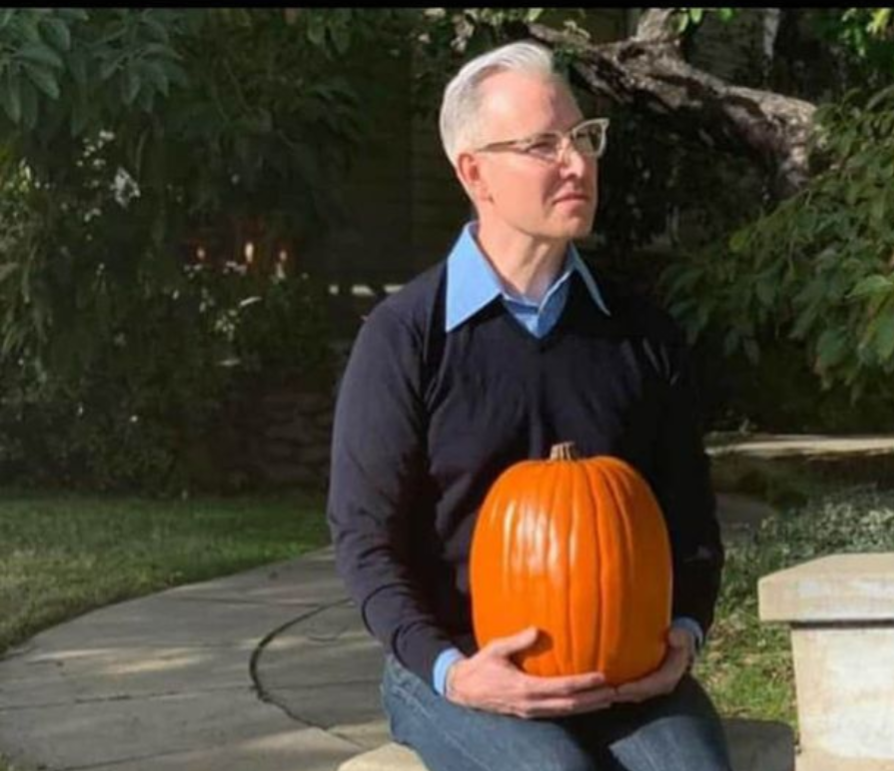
{"points": [[677, 661], [490, 681]]}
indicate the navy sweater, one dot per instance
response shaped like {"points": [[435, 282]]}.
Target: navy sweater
{"points": [[427, 420]]}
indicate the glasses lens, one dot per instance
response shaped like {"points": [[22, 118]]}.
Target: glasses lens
{"points": [[590, 140], [546, 146]]}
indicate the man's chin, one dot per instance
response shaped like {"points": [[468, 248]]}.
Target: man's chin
{"points": [[579, 228]]}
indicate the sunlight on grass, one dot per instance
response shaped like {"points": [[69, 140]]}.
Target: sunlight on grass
{"points": [[61, 556]]}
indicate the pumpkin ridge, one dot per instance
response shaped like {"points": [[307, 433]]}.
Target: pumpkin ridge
{"points": [[593, 477], [548, 655], [623, 541], [579, 490]]}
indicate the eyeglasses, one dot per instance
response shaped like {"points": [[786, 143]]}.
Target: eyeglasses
{"points": [[587, 138]]}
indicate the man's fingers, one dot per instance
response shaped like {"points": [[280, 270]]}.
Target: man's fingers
{"points": [[509, 646], [545, 687], [643, 689], [567, 705]]}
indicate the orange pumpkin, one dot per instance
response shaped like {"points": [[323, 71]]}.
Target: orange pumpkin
{"points": [[578, 549]]}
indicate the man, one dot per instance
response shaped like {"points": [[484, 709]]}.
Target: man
{"points": [[489, 358]]}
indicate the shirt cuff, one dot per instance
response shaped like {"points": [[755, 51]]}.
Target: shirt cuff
{"points": [[684, 622], [445, 660]]}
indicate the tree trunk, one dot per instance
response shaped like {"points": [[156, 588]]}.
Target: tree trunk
{"points": [[648, 73]]}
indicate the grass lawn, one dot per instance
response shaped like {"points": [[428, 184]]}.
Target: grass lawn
{"points": [[62, 555]]}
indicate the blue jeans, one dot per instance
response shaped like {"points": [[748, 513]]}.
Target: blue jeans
{"points": [[679, 732]]}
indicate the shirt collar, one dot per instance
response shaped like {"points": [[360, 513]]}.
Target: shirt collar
{"points": [[472, 282]]}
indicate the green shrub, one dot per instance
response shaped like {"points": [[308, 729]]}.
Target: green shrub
{"points": [[816, 270]]}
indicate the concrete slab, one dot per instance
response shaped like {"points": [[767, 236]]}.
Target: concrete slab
{"points": [[330, 647], [48, 679], [298, 749], [369, 735], [310, 580], [120, 730], [839, 588], [787, 445], [160, 621], [344, 704]]}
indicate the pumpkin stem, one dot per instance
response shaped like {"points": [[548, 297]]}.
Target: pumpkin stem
{"points": [[563, 451]]}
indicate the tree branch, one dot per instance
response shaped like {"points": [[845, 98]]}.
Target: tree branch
{"points": [[648, 73]]}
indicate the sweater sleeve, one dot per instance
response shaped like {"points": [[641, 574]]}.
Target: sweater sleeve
{"points": [[683, 487], [377, 486]]}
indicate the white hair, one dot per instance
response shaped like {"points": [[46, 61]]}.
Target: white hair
{"points": [[460, 121]]}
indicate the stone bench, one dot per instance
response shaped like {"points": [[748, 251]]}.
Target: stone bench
{"points": [[755, 745], [841, 612]]}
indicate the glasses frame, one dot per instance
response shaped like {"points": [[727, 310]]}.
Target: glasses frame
{"points": [[566, 139]]}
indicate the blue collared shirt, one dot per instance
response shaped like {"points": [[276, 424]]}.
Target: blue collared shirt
{"points": [[472, 284]]}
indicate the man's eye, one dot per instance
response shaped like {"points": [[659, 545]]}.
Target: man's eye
{"points": [[543, 146]]}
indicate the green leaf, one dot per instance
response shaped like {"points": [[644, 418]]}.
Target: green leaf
{"points": [[765, 289], [161, 50], [731, 342], [176, 74], [74, 14], [44, 79], [40, 54], [738, 242], [316, 31], [58, 34], [78, 66], [28, 27], [341, 38], [11, 97], [111, 65], [158, 29], [879, 97], [752, 350], [884, 336], [878, 209], [29, 106], [155, 74], [131, 86], [79, 117], [7, 269], [831, 347], [878, 25], [147, 100], [871, 285], [804, 323]]}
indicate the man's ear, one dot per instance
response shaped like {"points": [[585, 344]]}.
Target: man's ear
{"points": [[469, 172]]}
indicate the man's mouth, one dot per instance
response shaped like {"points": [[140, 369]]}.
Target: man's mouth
{"points": [[582, 197]]}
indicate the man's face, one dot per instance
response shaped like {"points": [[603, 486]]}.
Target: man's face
{"points": [[520, 192]]}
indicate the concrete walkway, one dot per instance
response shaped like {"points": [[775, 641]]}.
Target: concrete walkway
{"points": [[268, 670]]}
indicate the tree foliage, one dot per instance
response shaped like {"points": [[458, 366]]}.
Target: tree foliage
{"points": [[817, 268], [131, 141]]}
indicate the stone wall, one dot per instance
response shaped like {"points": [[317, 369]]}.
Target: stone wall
{"points": [[284, 434]]}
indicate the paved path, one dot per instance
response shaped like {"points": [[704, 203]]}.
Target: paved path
{"points": [[268, 670]]}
